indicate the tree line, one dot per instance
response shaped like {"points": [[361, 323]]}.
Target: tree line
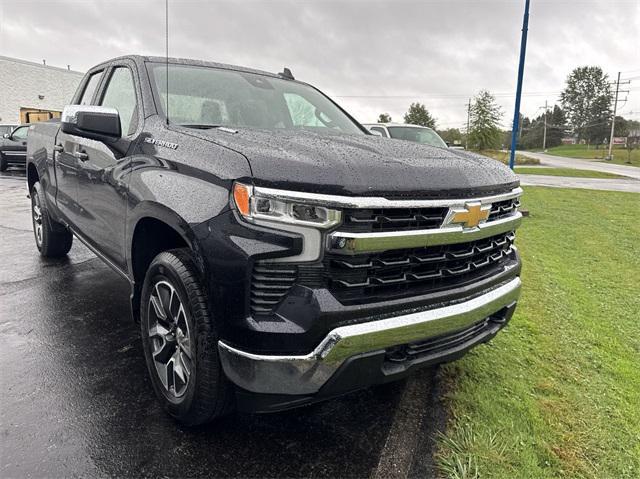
{"points": [[584, 112]]}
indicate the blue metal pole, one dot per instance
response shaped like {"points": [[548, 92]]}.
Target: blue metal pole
{"points": [[516, 115]]}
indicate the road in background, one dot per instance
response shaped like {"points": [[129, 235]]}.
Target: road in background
{"points": [[604, 184], [77, 401], [583, 164]]}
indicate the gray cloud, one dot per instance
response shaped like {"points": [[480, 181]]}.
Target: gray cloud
{"points": [[372, 56]]}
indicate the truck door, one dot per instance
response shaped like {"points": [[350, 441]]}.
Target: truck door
{"points": [[66, 151], [102, 190]]}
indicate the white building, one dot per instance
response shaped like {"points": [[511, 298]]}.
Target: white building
{"points": [[31, 92]]}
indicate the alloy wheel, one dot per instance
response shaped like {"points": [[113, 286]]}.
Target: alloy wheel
{"points": [[171, 346], [37, 218]]}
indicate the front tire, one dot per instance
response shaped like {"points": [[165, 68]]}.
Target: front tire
{"points": [[180, 341], [53, 239], [4, 164]]}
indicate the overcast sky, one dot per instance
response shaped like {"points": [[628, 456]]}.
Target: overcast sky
{"points": [[371, 56]]}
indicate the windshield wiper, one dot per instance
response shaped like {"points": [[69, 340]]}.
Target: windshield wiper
{"points": [[206, 126], [199, 126]]}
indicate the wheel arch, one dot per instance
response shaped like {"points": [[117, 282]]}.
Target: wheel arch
{"points": [[32, 175], [153, 229]]}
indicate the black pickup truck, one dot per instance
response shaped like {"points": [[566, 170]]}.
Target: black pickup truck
{"points": [[278, 253]]}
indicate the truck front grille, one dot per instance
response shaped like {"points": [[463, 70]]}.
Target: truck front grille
{"points": [[367, 278], [407, 219], [270, 283]]}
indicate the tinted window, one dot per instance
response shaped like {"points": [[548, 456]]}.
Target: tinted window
{"points": [[121, 95], [214, 96], [4, 129], [20, 133], [90, 89]]}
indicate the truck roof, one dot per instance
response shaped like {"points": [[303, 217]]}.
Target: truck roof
{"points": [[140, 59]]}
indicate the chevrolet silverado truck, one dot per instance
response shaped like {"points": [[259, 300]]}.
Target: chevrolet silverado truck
{"points": [[278, 253]]}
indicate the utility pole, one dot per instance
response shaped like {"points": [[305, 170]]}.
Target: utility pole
{"points": [[615, 109], [466, 143], [516, 115], [544, 134]]}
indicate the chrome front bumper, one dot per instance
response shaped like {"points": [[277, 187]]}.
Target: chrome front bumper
{"points": [[306, 374]]}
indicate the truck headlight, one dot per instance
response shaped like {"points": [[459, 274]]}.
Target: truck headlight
{"points": [[252, 206]]}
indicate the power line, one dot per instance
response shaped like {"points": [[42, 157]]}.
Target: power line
{"points": [[447, 95]]}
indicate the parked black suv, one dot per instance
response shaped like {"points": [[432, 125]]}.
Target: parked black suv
{"points": [[278, 253]]}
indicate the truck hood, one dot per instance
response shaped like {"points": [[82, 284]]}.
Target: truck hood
{"points": [[363, 165]]}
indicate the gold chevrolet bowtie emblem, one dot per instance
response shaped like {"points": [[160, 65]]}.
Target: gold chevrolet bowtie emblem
{"points": [[471, 216]]}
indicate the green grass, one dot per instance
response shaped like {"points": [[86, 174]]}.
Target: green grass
{"points": [[503, 157], [532, 170], [557, 394], [591, 152]]}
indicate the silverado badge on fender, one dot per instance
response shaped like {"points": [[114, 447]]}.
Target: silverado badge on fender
{"points": [[166, 144]]}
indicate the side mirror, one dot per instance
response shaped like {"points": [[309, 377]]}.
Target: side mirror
{"points": [[6, 135], [375, 133], [93, 122]]}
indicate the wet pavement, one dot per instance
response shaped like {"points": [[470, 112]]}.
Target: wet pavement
{"points": [[76, 400]]}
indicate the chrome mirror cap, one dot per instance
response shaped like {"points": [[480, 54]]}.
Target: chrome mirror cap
{"points": [[91, 121]]}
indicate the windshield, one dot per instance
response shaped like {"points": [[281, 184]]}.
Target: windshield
{"points": [[206, 96], [424, 135]]}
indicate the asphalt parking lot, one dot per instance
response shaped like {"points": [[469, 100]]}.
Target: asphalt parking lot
{"points": [[76, 400]]}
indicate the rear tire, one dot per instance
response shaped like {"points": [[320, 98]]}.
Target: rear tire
{"points": [[53, 239], [180, 341]]}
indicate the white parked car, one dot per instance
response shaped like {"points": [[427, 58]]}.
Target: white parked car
{"points": [[402, 131]]}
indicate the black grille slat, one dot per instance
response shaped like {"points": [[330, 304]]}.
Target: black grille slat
{"points": [[502, 209], [388, 275], [392, 219], [270, 283]]}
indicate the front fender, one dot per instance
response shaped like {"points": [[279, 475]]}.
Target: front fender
{"points": [[191, 198]]}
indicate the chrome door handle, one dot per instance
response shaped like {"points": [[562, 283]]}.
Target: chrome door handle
{"points": [[81, 156], [58, 148]]}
